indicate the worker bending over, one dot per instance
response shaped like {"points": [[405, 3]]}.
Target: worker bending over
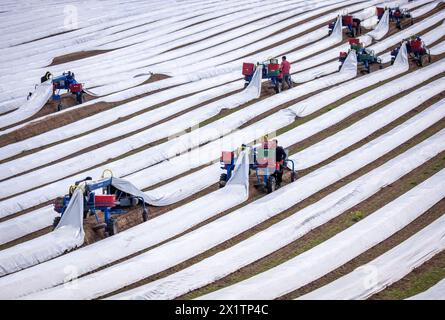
{"points": [[285, 70]]}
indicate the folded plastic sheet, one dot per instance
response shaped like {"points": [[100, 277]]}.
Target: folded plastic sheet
{"points": [[288, 230], [38, 99], [388, 268], [146, 234], [341, 248], [67, 235], [436, 292], [382, 28]]}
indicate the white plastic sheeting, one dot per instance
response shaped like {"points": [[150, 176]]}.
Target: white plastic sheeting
{"points": [[429, 37], [316, 153], [218, 231], [388, 268], [367, 40], [180, 188], [109, 151], [164, 130], [26, 223], [38, 99], [105, 117], [68, 235], [171, 148], [341, 248], [437, 292], [382, 28], [157, 23], [287, 230], [210, 71], [438, 49], [425, 9], [177, 80], [200, 57], [135, 239]]}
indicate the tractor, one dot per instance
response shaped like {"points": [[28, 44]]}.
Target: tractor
{"points": [[263, 163], [416, 49], [66, 81], [396, 15], [365, 57], [271, 70], [352, 24], [111, 201]]}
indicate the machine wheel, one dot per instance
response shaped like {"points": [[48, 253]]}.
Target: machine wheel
{"points": [[245, 85], [56, 222], [223, 180], [111, 228], [59, 107], [271, 184], [293, 176], [277, 88], [145, 215]]}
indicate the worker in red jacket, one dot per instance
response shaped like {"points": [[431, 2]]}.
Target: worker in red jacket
{"points": [[285, 69]]}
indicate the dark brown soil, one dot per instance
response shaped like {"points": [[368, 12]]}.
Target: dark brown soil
{"points": [[125, 221]]}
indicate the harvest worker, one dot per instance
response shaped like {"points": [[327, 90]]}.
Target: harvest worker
{"points": [[280, 157], [285, 70]]}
